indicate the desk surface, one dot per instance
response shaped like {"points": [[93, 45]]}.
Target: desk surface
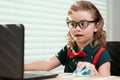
{"points": [[70, 76]]}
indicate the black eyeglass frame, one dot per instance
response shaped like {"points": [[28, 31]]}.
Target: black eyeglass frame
{"points": [[79, 23]]}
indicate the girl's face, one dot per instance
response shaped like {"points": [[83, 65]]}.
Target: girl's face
{"points": [[82, 35]]}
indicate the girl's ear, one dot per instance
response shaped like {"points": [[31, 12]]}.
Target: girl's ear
{"points": [[96, 28]]}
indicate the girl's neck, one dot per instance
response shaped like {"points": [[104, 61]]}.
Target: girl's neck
{"points": [[81, 45]]}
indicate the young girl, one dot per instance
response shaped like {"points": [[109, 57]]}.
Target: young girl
{"points": [[86, 37]]}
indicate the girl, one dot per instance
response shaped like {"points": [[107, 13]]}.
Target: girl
{"points": [[85, 39]]}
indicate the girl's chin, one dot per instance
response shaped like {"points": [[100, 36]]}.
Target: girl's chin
{"points": [[79, 39]]}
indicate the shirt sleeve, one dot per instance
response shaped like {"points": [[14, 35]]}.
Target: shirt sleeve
{"points": [[62, 55], [104, 57]]}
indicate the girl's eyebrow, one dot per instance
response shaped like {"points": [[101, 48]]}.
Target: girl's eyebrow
{"points": [[79, 21], [70, 20]]}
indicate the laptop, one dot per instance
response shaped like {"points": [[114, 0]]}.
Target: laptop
{"points": [[12, 54]]}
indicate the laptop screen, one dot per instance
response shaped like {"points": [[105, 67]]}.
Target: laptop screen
{"points": [[11, 50]]}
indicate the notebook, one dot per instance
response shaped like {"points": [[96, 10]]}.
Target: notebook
{"points": [[12, 54]]}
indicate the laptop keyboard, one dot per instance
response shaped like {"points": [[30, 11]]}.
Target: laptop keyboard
{"points": [[40, 74]]}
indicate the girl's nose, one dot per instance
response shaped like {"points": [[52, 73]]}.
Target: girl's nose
{"points": [[78, 27]]}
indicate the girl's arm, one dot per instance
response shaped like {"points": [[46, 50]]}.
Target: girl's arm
{"points": [[53, 62], [104, 69]]}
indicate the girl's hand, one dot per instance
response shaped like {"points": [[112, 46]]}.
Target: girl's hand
{"points": [[87, 66]]}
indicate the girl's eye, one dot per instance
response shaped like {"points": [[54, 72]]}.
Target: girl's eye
{"points": [[84, 24], [72, 25]]}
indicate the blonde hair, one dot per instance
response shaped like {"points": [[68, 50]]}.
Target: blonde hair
{"points": [[99, 37]]}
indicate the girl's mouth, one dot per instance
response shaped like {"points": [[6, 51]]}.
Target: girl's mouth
{"points": [[78, 35]]}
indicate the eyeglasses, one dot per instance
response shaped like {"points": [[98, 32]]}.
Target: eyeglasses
{"points": [[81, 24]]}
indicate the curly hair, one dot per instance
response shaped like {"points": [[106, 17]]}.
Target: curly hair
{"points": [[99, 37]]}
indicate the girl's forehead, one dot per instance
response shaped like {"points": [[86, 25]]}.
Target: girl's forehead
{"points": [[80, 15]]}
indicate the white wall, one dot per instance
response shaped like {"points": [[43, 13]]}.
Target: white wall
{"points": [[115, 20]]}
